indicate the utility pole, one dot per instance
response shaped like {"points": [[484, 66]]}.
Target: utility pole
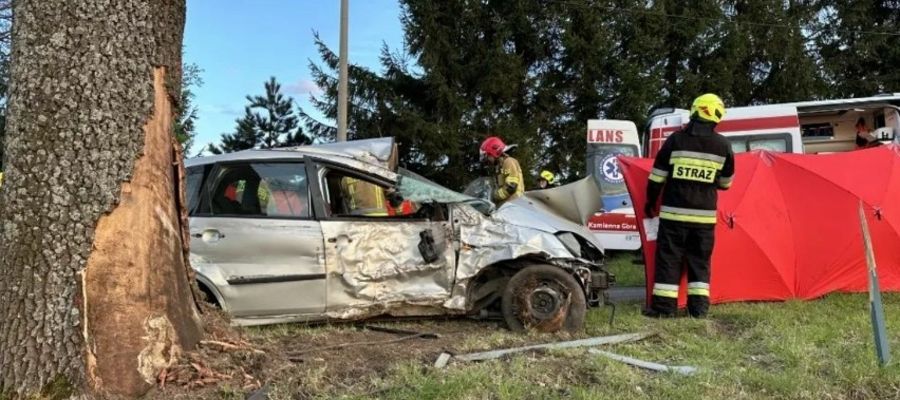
{"points": [[342, 78]]}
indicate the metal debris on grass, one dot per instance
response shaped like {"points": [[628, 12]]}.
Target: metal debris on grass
{"points": [[494, 354], [684, 370]]}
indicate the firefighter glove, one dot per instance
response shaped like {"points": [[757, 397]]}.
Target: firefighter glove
{"points": [[511, 187]]}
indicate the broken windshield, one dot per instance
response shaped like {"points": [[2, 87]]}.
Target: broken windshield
{"points": [[419, 189]]}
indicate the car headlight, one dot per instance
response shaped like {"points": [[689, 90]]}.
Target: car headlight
{"points": [[571, 242]]}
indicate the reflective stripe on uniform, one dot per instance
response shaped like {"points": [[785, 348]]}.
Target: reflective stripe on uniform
{"points": [[658, 175], [688, 215], [696, 162], [725, 181], [689, 211], [698, 155], [665, 290], [698, 289]]}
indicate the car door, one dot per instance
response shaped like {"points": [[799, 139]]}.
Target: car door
{"points": [[255, 232], [381, 257]]}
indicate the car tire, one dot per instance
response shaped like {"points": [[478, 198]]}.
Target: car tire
{"points": [[544, 298]]}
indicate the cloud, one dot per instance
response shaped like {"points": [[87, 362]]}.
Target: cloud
{"points": [[225, 109], [303, 87]]}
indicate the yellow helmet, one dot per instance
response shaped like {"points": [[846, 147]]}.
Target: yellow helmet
{"points": [[547, 176], [708, 107]]}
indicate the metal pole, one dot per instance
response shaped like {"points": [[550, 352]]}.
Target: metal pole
{"points": [[876, 309], [342, 78]]}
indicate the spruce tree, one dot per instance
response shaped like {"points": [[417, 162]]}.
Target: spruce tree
{"points": [[278, 122], [533, 72], [858, 45], [186, 114], [246, 135], [269, 121]]}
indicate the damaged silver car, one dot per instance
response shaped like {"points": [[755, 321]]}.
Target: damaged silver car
{"points": [[339, 232]]}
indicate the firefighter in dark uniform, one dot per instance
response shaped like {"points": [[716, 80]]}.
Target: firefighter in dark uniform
{"points": [[691, 166]]}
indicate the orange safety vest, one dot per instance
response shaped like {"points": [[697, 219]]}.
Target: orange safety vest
{"points": [[406, 208]]}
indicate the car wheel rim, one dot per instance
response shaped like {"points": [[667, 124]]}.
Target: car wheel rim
{"points": [[545, 303]]}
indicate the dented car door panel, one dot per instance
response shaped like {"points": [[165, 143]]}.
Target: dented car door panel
{"points": [[376, 267], [378, 263]]}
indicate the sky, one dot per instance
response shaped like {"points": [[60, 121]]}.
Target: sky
{"points": [[239, 44]]}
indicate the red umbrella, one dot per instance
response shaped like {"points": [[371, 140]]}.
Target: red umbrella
{"points": [[788, 227], [825, 191]]}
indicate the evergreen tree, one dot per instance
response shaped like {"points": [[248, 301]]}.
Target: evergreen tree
{"points": [[858, 45], [533, 72], [279, 121], [186, 115], [245, 137], [481, 64], [278, 126]]}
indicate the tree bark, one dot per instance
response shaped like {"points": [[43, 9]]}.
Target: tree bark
{"points": [[95, 287]]}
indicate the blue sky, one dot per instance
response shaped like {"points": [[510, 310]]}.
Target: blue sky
{"points": [[241, 43]]}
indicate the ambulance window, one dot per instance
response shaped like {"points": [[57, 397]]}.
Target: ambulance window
{"points": [[879, 121], [604, 166], [822, 130], [739, 146], [777, 142], [778, 145]]}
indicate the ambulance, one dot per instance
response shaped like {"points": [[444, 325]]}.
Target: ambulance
{"points": [[614, 224], [811, 127]]}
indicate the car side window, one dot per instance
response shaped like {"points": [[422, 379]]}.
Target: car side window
{"points": [[352, 196], [260, 190]]}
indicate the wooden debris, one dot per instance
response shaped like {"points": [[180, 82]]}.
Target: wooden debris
{"points": [[442, 360], [242, 346]]}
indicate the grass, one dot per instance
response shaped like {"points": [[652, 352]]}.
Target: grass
{"points": [[627, 273], [795, 350]]}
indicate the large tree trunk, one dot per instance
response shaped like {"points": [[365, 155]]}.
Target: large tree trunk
{"points": [[94, 283]]}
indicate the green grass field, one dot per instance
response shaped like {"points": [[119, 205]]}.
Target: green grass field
{"points": [[627, 273], [796, 350]]}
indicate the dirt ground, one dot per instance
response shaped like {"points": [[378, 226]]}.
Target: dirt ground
{"points": [[311, 360]]}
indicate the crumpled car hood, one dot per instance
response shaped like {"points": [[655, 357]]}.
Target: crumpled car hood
{"points": [[527, 213]]}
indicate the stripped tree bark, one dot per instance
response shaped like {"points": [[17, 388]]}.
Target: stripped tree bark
{"points": [[95, 287]]}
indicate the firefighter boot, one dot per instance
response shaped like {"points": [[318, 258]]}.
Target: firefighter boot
{"points": [[652, 313], [698, 306]]}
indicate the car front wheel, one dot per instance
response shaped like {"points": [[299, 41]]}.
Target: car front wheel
{"points": [[544, 298]]}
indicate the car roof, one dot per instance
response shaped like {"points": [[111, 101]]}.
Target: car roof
{"points": [[371, 167], [244, 155]]}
